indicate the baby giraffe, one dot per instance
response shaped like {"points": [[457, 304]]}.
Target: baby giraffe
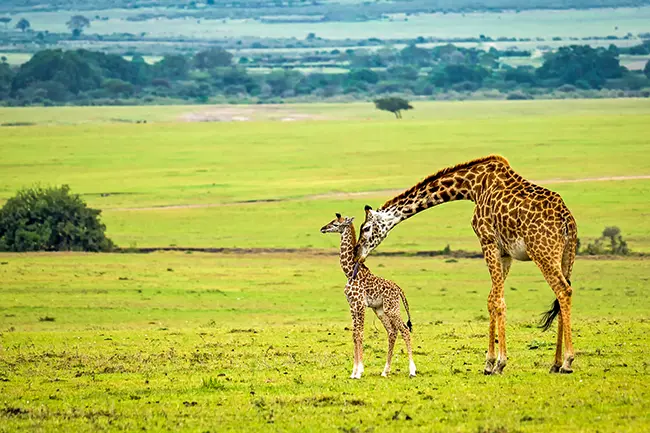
{"points": [[368, 290]]}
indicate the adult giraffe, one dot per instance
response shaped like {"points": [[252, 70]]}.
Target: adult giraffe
{"points": [[513, 219]]}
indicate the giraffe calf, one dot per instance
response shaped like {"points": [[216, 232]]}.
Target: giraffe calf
{"points": [[364, 289]]}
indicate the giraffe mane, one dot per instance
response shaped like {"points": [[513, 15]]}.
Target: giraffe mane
{"points": [[443, 172]]}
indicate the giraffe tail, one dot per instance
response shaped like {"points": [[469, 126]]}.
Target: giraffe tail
{"points": [[548, 317], [406, 307]]}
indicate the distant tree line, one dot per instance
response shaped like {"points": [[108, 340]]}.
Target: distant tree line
{"points": [[328, 10], [55, 77]]}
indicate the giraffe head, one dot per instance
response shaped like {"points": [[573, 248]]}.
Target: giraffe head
{"points": [[373, 231], [337, 225]]}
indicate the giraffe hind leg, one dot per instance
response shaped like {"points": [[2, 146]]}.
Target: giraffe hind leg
{"points": [[562, 306], [405, 330], [568, 258], [392, 336]]}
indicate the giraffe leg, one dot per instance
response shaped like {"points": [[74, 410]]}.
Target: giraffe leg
{"points": [[555, 368], [501, 317], [565, 311], [399, 324], [392, 336], [496, 308], [358, 315], [563, 292]]}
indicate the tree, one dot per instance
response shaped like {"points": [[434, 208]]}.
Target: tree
{"points": [[23, 25], [5, 21], [174, 66], [413, 55], [646, 70], [6, 77], [51, 219], [212, 58], [394, 105], [73, 69], [580, 65], [77, 24], [118, 87]]}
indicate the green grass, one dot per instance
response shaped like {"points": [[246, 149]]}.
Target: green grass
{"points": [[536, 23], [16, 58], [192, 342], [117, 166], [258, 342]]}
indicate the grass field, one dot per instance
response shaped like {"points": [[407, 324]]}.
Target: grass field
{"points": [[531, 24], [260, 341], [172, 341], [220, 176]]}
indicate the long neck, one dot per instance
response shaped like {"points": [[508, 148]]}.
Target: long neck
{"points": [[348, 243], [463, 182]]}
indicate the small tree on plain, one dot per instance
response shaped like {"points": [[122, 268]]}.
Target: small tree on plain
{"points": [[646, 70], [393, 104], [51, 219], [23, 25], [212, 58], [617, 246], [5, 21], [77, 24]]}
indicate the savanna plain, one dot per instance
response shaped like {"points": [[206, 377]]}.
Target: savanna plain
{"points": [[256, 336]]}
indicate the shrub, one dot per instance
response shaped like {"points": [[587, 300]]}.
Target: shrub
{"points": [[51, 219], [518, 96], [611, 242], [393, 104]]}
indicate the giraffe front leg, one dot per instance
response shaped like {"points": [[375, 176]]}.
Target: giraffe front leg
{"points": [[501, 332], [358, 314], [491, 357], [496, 308]]}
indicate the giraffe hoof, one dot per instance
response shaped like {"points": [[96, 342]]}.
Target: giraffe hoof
{"points": [[554, 369], [489, 368], [384, 374], [499, 367], [566, 370]]}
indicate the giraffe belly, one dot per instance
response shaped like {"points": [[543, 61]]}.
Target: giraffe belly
{"points": [[517, 250]]}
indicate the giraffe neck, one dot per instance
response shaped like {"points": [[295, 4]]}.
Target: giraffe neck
{"points": [[348, 244], [462, 182]]}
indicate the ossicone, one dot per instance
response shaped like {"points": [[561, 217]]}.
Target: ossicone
{"points": [[367, 208]]}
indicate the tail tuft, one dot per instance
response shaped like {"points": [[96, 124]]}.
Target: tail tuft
{"points": [[547, 318], [410, 325]]}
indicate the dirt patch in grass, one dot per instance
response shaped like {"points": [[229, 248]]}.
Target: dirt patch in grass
{"points": [[246, 113], [355, 194]]}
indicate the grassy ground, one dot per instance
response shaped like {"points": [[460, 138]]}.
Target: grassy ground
{"points": [[223, 342], [231, 166], [227, 342], [531, 24]]}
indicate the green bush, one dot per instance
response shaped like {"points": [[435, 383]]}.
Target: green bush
{"points": [[611, 242], [51, 219]]}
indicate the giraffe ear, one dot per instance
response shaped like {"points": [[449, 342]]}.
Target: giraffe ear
{"points": [[348, 220], [338, 215]]}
